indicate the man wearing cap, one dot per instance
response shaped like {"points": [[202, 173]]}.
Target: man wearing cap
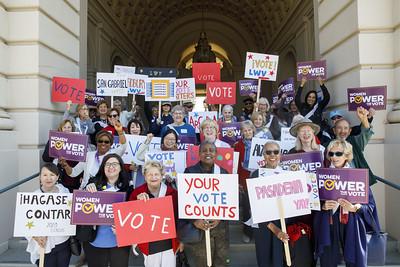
{"points": [[188, 105], [156, 123], [247, 109]]}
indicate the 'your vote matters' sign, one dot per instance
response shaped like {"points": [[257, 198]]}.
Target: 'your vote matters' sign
{"points": [[221, 93], [94, 208], [208, 196], [261, 66], [367, 97], [64, 89], [311, 70], [70, 146], [308, 162], [185, 89], [350, 184], [290, 187]]}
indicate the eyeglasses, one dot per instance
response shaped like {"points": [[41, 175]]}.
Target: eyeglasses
{"points": [[111, 164], [113, 115], [337, 154], [270, 152], [336, 117], [103, 141]]}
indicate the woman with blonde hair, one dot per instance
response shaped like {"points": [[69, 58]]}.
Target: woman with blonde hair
{"points": [[209, 129], [259, 121]]}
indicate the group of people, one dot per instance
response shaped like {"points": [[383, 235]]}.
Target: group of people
{"points": [[337, 231]]}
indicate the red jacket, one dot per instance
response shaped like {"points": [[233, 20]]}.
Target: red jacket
{"points": [[144, 247], [112, 130], [242, 172]]}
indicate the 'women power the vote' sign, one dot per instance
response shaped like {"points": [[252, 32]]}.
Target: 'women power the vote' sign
{"points": [[286, 87], [290, 187], [229, 132], [142, 221], [311, 70], [64, 89], [308, 162], [367, 97], [43, 214], [111, 84], [261, 66], [350, 184], [71, 146], [94, 208], [247, 87], [208, 196]]}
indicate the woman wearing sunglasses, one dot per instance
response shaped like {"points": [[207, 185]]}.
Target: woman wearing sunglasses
{"points": [[104, 140], [342, 225], [268, 236], [113, 118]]}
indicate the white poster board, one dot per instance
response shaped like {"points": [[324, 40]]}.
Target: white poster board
{"points": [[196, 118], [43, 214], [111, 84], [124, 69], [174, 162], [185, 89], [137, 84], [261, 66], [287, 140], [133, 144], [208, 196]]}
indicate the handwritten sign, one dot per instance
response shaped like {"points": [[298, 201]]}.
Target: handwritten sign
{"points": [[124, 69], [64, 89], [137, 84], [256, 153], [141, 221], [208, 196], [230, 132], [287, 140], [157, 72], [224, 157], [290, 187], [185, 89], [206, 72], [160, 89], [111, 84], [247, 87], [367, 97], [43, 214], [94, 208], [287, 87], [71, 146], [174, 162], [261, 66], [350, 184], [91, 99], [221, 93], [311, 70], [196, 118], [134, 142], [308, 162]]}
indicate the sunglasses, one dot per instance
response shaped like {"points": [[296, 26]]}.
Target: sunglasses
{"points": [[337, 154], [103, 141], [248, 103], [270, 152], [336, 117], [113, 115]]}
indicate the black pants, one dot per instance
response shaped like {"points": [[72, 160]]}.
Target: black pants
{"points": [[102, 257], [59, 256]]}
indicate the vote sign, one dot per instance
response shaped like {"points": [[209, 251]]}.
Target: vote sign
{"points": [[91, 99], [185, 89], [174, 162], [287, 87], [142, 221], [196, 118], [311, 70], [308, 161], [111, 84], [136, 84], [206, 72], [221, 93], [64, 89], [229, 132], [367, 97], [261, 66], [247, 87], [71, 146]]}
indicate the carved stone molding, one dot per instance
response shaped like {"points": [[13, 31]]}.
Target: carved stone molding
{"points": [[394, 115], [6, 123]]}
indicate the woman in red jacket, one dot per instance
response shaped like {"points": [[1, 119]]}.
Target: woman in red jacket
{"points": [[159, 253]]}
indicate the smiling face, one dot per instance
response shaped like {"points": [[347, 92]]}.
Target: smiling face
{"points": [[135, 129], [305, 134], [83, 112], [153, 177], [247, 133], [228, 114], [342, 130], [67, 127], [103, 144], [47, 179], [293, 107], [207, 154], [112, 168], [210, 133], [263, 108], [103, 109], [337, 156], [178, 117], [258, 121], [311, 99], [169, 142], [113, 117], [272, 155], [166, 108]]}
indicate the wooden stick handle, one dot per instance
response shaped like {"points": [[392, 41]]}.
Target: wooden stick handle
{"points": [[208, 248], [41, 257], [258, 92], [283, 226]]}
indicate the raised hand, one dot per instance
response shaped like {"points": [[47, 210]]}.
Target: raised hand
{"points": [[303, 81], [118, 127]]}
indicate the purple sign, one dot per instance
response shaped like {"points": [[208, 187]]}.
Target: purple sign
{"points": [[248, 86], [94, 208], [367, 97], [184, 141], [286, 87], [350, 184], [311, 70], [91, 99], [71, 146], [229, 132], [308, 162]]}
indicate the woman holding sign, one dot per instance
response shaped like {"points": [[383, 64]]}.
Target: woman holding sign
{"points": [[83, 123], [103, 250], [57, 248], [159, 253], [342, 225]]}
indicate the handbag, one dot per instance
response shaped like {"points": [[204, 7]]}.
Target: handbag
{"points": [[188, 233], [376, 246], [86, 233], [75, 246]]}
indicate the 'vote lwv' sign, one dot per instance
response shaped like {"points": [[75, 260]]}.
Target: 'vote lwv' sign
{"points": [[221, 93]]}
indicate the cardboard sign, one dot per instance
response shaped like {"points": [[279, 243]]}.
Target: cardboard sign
{"points": [[229, 132], [142, 221], [91, 99], [367, 97], [124, 69], [287, 140], [64, 89], [290, 187], [206, 72], [221, 93], [71, 146], [224, 158], [174, 162], [308, 162], [111, 84], [247, 87], [137, 84], [311, 70], [185, 89], [134, 142], [94, 208], [261, 66], [208, 196], [185, 141], [350, 184], [43, 214], [160, 89], [157, 72], [256, 153], [287, 87], [196, 118]]}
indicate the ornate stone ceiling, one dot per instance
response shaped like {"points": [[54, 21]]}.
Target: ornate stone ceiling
{"points": [[146, 20]]}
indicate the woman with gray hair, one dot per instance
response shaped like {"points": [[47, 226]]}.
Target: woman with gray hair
{"points": [[183, 129], [271, 121], [227, 115]]}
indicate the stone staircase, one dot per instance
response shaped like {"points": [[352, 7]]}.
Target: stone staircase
{"points": [[241, 254]]}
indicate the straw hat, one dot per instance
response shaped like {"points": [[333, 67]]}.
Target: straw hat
{"points": [[300, 121]]}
